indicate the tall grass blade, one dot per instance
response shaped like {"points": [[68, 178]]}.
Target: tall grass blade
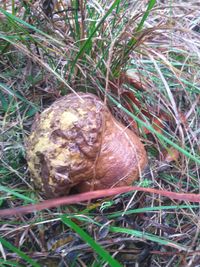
{"points": [[19, 252], [151, 237], [4, 102], [88, 41], [133, 40], [146, 14], [150, 209], [29, 26], [16, 194], [17, 95], [96, 247], [5, 263], [194, 157]]}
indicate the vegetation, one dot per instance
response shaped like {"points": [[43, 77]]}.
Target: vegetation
{"points": [[143, 59]]}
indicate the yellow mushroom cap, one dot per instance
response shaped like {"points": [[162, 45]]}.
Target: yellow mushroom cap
{"points": [[76, 142]]}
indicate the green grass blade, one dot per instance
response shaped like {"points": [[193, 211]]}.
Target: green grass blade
{"points": [[4, 102], [151, 237], [9, 263], [88, 41], [13, 93], [39, 61], [14, 18], [16, 194], [159, 135], [76, 19], [146, 14], [149, 209], [133, 41], [116, 67], [20, 253], [96, 247]]}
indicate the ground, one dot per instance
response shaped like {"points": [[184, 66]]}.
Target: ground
{"points": [[144, 57]]}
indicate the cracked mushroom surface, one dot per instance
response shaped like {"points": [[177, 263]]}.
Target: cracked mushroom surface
{"points": [[77, 143]]}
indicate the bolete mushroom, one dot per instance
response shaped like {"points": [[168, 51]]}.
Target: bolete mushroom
{"points": [[77, 143]]}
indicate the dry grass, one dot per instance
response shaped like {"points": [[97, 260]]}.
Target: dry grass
{"points": [[40, 64]]}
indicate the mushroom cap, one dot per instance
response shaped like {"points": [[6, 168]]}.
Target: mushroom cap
{"points": [[76, 142]]}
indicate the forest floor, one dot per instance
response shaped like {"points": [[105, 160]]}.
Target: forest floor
{"points": [[150, 49]]}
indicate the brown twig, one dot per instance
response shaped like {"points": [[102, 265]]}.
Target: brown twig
{"points": [[46, 204]]}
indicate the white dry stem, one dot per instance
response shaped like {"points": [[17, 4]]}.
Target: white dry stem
{"points": [[170, 95], [2, 251], [24, 50]]}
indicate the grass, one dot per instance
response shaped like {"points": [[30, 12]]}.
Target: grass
{"points": [[99, 250], [87, 46]]}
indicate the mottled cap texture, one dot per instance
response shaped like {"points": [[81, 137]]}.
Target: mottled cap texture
{"points": [[77, 143]]}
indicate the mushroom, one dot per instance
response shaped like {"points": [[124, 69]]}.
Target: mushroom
{"points": [[77, 143]]}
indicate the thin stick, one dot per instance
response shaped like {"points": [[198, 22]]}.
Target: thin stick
{"points": [[52, 203]]}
